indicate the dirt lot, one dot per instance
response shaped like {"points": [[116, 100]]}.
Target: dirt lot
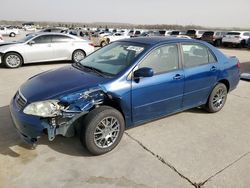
{"points": [[188, 149]]}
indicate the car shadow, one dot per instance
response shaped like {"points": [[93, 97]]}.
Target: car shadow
{"points": [[198, 110], [47, 63], [9, 138], [41, 63]]}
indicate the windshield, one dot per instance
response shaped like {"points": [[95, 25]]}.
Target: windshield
{"points": [[25, 39], [113, 58]]}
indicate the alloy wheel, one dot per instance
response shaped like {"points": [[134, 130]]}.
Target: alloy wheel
{"points": [[106, 132]]}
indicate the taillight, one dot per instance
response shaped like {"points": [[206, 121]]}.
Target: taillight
{"points": [[238, 64]]}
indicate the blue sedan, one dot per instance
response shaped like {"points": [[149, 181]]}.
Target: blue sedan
{"points": [[126, 83]]}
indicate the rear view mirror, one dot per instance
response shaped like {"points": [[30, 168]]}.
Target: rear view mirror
{"points": [[143, 72]]}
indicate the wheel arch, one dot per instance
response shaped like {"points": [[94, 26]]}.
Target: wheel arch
{"points": [[114, 104], [226, 83], [6, 53], [76, 50]]}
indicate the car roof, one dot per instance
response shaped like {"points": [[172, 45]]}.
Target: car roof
{"points": [[53, 33], [156, 39]]}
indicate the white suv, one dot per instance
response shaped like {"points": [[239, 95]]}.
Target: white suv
{"points": [[195, 34], [238, 38]]}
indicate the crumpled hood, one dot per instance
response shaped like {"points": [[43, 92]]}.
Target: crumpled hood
{"points": [[54, 83]]}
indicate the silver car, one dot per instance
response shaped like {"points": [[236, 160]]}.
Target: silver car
{"points": [[44, 47]]}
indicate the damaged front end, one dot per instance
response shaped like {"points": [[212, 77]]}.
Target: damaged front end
{"points": [[58, 116]]}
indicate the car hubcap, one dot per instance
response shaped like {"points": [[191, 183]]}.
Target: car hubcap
{"points": [[78, 56], [106, 132], [219, 98], [13, 60]]}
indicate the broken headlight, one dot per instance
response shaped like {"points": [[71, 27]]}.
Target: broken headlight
{"points": [[49, 108]]}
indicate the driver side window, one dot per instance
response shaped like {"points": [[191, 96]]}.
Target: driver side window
{"points": [[162, 59], [42, 39]]}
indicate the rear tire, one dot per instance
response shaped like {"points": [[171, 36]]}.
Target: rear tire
{"points": [[217, 98], [78, 55], [102, 130], [103, 43], [12, 60], [243, 44]]}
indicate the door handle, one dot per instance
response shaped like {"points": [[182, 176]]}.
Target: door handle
{"points": [[49, 45], [178, 77], [213, 69]]}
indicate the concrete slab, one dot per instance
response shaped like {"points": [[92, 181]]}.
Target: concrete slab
{"points": [[241, 54], [237, 175], [199, 144]]}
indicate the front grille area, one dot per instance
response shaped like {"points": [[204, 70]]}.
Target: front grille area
{"points": [[20, 101]]}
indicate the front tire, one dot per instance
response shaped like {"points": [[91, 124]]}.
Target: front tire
{"points": [[102, 130], [12, 60], [78, 55], [217, 98], [218, 43]]}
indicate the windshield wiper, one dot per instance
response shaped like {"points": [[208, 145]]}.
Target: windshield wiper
{"points": [[93, 69], [98, 71]]}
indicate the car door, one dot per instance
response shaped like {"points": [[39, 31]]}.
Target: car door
{"points": [[201, 71], [161, 94], [39, 49], [63, 47]]}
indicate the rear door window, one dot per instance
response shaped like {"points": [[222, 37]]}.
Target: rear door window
{"points": [[196, 54], [61, 38]]}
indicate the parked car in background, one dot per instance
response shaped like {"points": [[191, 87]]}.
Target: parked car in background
{"points": [[150, 34], [126, 83], [138, 32], [236, 38], [1, 38], [51, 30], [168, 33], [213, 37], [11, 32], [54, 30], [116, 36], [181, 36], [44, 47], [104, 33], [195, 34], [98, 40], [175, 32]]}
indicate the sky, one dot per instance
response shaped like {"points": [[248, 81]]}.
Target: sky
{"points": [[212, 13]]}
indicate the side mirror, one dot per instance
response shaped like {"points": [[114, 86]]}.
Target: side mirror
{"points": [[31, 42], [143, 72]]}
